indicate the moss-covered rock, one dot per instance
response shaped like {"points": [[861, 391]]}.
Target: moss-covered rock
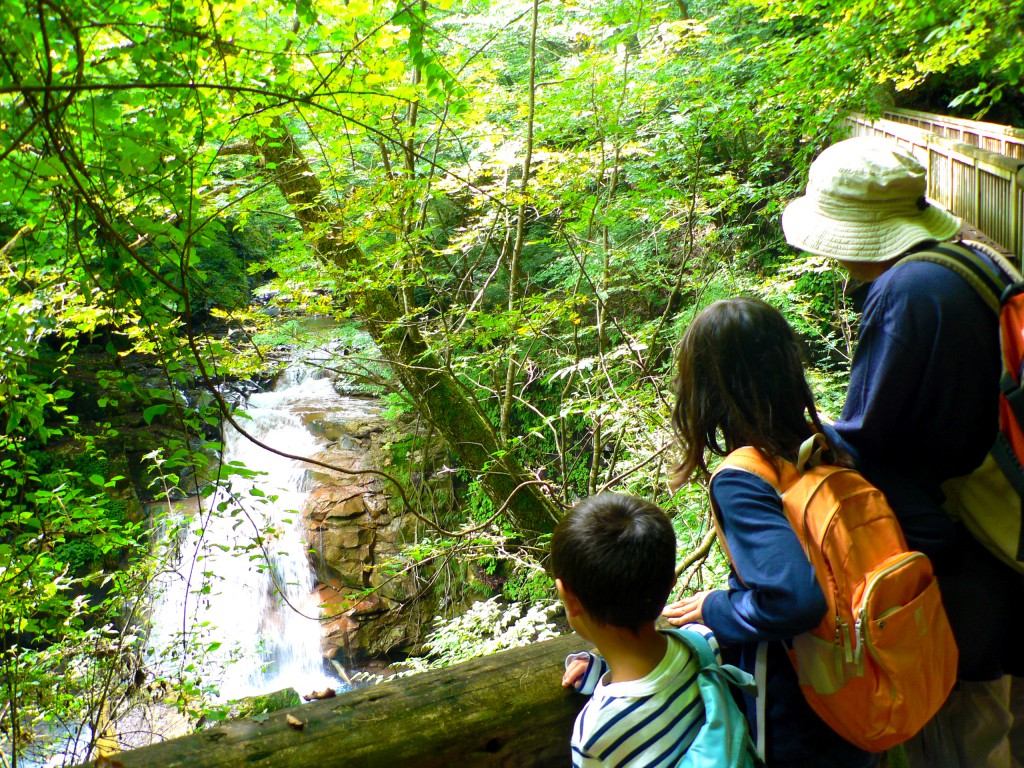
{"points": [[266, 702]]}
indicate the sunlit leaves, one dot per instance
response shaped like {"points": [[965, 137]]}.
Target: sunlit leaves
{"points": [[902, 43]]}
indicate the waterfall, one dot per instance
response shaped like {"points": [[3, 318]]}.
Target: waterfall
{"points": [[238, 603]]}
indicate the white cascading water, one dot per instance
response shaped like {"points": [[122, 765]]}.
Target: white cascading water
{"points": [[255, 616]]}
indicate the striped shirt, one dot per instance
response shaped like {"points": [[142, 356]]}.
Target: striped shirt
{"points": [[646, 722]]}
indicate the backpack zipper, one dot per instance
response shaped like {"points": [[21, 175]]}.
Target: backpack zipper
{"points": [[860, 628], [841, 641]]}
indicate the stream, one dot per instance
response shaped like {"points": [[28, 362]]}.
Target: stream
{"points": [[247, 623], [235, 612]]}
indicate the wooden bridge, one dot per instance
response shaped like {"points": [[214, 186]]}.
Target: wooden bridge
{"points": [[975, 169]]}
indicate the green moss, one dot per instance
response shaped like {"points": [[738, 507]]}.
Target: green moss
{"points": [[82, 557], [268, 702], [89, 464], [531, 587], [117, 510]]}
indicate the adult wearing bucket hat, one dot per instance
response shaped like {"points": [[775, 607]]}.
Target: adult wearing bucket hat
{"points": [[865, 202], [921, 408]]}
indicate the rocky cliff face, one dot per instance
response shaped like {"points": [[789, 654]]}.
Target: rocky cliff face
{"points": [[375, 605]]}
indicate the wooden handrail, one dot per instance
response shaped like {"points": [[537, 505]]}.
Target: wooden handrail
{"points": [[507, 709], [983, 188], [1002, 139]]}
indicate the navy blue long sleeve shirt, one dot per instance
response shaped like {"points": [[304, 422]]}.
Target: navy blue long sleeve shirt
{"points": [[922, 405]]}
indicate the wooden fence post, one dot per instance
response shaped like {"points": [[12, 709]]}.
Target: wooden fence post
{"points": [[1016, 204]]}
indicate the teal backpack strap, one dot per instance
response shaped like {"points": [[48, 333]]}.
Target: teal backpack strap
{"points": [[971, 267], [724, 739], [706, 658], [698, 645]]}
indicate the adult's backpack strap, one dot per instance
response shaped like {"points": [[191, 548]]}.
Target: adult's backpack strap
{"points": [[1011, 319], [1009, 464], [1001, 293], [1007, 267], [971, 267]]}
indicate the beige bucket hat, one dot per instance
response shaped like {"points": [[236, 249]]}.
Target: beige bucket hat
{"points": [[865, 201]]}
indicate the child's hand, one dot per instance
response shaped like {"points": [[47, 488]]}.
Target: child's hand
{"points": [[574, 673], [686, 611]]}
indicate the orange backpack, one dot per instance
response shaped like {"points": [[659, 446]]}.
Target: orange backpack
{"points": [[883, 660]]}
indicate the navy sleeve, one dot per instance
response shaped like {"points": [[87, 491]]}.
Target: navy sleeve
{"points": [[778, 596], [886, 374], [921, 404]]}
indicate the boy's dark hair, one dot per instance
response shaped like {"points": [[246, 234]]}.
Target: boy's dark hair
{"points": [[740, 374], [617, 554]]}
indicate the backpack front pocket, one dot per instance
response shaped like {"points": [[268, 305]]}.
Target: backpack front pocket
{"points": [[909, 638]]}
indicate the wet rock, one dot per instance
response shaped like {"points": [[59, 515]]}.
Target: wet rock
{"points": [[372, 607]]}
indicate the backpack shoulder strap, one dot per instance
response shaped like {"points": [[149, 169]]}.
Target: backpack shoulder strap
{"points": [[730, 742], [971, 267], [698, 645], [1008, 267], [706, 659], [749, 460], [779, 475]]}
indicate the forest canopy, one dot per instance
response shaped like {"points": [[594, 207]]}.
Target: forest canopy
{"points": [[510, 210]]}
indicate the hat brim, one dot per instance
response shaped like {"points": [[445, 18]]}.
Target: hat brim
{"points": [[880, 239]]}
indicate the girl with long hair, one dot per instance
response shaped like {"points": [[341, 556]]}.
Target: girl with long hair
{"points": [[740, 382]]}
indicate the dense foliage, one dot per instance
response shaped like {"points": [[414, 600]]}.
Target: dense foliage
{"points": [[521, 204]]}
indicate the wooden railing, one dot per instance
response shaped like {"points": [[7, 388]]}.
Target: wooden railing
{"points": [[506, 710], [983, 188], [1001, 139]]}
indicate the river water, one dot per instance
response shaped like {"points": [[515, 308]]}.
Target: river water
{"points": [[237, 610], [234, 610]]}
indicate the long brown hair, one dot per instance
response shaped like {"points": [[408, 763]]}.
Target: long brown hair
{"points": [[740, 381]]}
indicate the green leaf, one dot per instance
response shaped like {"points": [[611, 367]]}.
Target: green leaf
{"points": [[153, 411]]}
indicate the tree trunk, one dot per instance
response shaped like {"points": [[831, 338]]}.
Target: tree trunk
{"points": [[443, 400], [508, 709]]}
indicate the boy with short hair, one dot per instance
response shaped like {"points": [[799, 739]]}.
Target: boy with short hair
{"points": [[613, 559]]}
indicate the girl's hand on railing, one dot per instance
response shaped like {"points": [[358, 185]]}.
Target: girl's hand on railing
{"points": [[688, 610]]}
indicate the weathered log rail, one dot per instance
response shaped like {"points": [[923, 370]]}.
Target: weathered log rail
{"points": [[983, 188], [507, 709]]}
